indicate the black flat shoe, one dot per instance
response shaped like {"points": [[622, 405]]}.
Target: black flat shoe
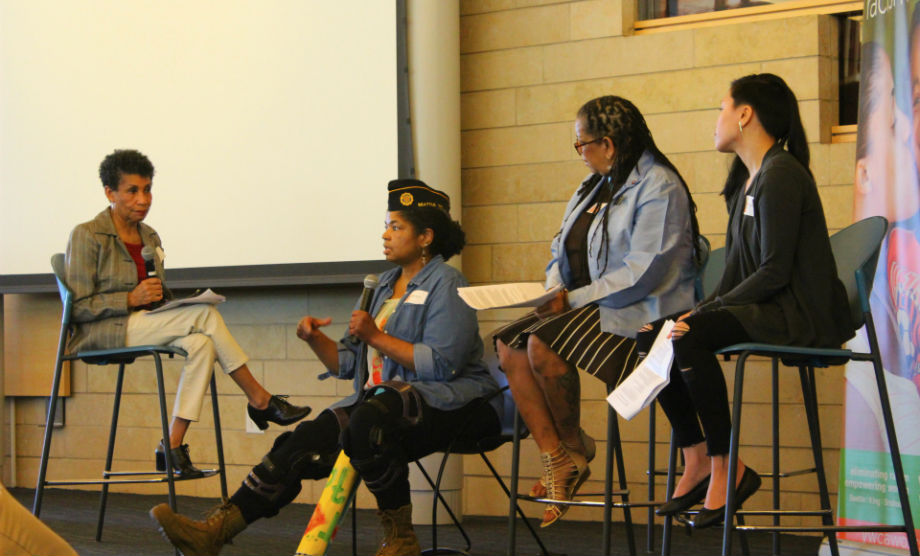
{"points": [[750, 482], [182, 464], [686, 501], [278, 411]]}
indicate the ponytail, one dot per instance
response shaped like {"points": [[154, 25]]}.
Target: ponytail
{"points": [[777, 110]]}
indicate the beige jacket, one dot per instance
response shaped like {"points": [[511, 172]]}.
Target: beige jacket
{"points": [[101, 273]]}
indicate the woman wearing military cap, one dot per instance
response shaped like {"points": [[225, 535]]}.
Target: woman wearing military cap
{"points": [[416, 365]]}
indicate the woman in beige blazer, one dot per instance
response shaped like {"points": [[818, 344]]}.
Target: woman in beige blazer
{"points": [[113, 295]]}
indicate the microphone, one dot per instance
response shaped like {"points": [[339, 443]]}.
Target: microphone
{"points": [[370, 284], [147, 253]]}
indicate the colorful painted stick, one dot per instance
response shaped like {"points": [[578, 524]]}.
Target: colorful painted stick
{"points": [[330, 508]]}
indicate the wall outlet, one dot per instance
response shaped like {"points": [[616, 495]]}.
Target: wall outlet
{"points": [[251, 426]]}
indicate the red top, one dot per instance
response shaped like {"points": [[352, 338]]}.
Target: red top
{"points": [[135, 250]]}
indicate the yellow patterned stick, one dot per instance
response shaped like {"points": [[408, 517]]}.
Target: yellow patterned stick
{"points": [[325, 520]]}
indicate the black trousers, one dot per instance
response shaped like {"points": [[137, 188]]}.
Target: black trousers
{"points": [[377, 438], [697, 395]]}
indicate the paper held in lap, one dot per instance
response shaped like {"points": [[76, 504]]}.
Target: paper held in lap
{"points": [[638, 390], [207, 296], [497, 296]]}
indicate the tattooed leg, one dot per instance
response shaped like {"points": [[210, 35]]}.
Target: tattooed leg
{"points": [[561, 387]]}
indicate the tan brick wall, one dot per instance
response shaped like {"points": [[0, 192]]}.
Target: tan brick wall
{"points": [[527, 67], [263, 321]]}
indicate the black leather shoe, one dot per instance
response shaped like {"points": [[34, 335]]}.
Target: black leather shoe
{"points": [[686, 501], [749, 484], [278, 411], [182, 464]]}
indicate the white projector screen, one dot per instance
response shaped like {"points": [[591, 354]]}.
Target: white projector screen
{"points": [[272, 125]]}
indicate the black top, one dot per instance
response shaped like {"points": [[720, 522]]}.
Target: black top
{"points": [[576, 242], [780, 279]]}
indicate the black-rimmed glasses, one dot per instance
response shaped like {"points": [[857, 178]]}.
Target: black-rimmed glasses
{"points": [[581, 144]]}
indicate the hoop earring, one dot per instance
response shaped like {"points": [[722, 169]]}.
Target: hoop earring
{"points": [[740, 129]]}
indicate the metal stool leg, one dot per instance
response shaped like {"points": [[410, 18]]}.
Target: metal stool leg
{"points": [[669, 491], [774, 379], [733, 456], [104, 493], [650, 513], [436, 487], [164, 423], [513, 488], [219, 439], [608, 484], [520, 512], [621, 474], [49, 429], [810, 395]]}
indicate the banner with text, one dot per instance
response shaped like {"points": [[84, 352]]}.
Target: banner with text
{"points": [[886, 184]]}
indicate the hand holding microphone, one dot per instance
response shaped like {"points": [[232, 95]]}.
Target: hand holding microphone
{"points": [[149, 291], [361, 322]]}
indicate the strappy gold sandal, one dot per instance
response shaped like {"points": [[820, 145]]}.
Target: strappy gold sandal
{"points": [[565, 472], [538, 490]]}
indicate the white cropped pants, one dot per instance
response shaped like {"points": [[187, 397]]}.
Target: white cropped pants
{"points": [[201, 332]]}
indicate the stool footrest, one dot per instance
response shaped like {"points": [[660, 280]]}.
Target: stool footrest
{"points": [[824, 529], [783, 513], [207, 473], [159, 478], [793, 473]]}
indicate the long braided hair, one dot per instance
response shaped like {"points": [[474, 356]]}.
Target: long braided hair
{"points": [[619, 119], [778, 112]]}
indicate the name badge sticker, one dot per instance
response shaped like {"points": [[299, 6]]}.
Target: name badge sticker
{"points": [[749, 205], [417, 297]]}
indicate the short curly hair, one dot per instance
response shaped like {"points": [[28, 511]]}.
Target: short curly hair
{"points": [[123, 162]]}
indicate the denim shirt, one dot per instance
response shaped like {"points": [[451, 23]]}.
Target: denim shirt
{"points": [[449, 370], [649, 268]]}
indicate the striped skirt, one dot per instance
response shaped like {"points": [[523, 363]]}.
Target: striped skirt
{"points": [[577, 338]]}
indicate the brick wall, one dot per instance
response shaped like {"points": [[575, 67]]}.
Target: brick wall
{"points": [[527, 66]]}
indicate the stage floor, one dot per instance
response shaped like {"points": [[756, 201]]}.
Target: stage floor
{"points": [[129, 530]]}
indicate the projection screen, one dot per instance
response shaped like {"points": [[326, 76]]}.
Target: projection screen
{"points": [[272, 126]]}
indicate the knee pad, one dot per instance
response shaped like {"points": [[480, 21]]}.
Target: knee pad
{"points": [[409, 397], [365, 431], [268, 497], [382, 471]]}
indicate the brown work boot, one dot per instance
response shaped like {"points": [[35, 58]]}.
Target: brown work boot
{"points": [[199, 538], [398, 535]]}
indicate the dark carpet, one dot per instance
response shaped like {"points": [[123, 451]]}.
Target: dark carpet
{"points": [[129, 530]]}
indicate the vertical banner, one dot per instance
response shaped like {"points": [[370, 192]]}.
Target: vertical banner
{"points": [[886, 184]]}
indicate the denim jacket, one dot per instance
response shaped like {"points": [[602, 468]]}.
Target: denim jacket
{"points": [[449, 371], [649, 268]]}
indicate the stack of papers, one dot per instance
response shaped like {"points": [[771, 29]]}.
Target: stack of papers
{"points": [[206, 296], [498, 296], [638, 390]]}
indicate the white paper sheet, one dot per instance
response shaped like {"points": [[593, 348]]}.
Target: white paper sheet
{"points": [[638, 390], [206, 296], [497, 296]]}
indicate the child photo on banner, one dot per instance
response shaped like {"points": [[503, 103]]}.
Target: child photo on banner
{"points": [[886, 184]]}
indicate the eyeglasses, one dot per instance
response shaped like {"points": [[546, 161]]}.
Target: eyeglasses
{"points": [[581, 144]]}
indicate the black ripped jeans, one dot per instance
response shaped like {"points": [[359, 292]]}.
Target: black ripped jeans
{"points": [[697, 394], [380, 444]]}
